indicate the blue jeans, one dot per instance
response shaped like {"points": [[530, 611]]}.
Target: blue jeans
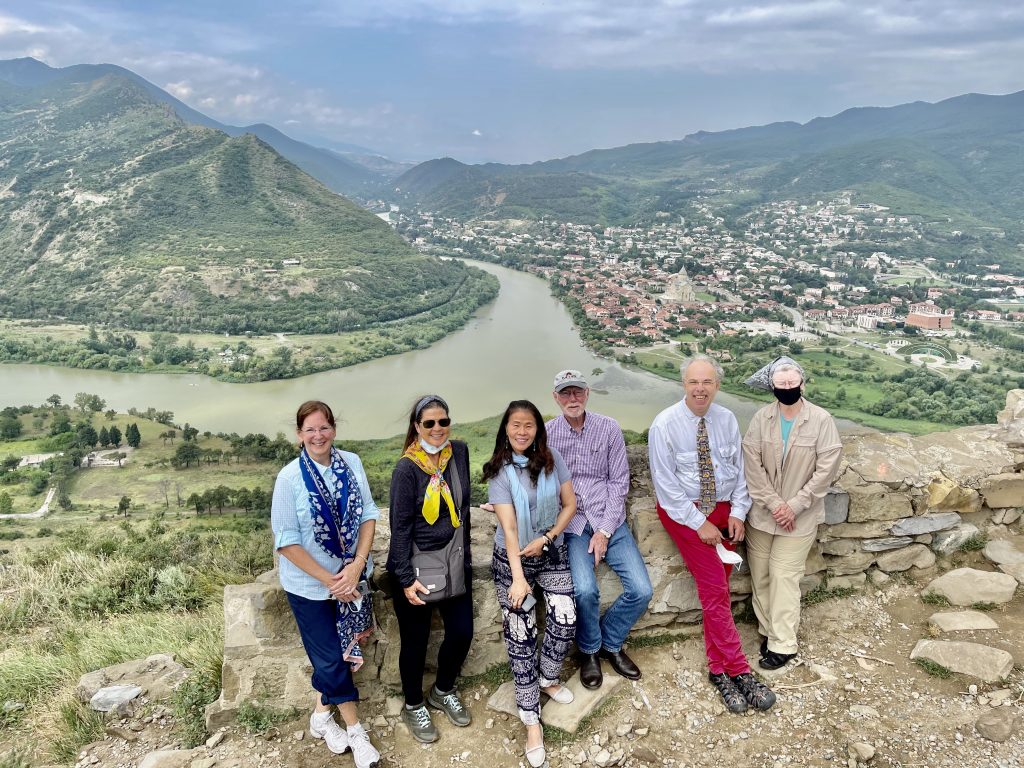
{"points": [[594, 632]]}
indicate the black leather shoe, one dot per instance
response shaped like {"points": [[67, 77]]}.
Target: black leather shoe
{"points": [[590, 671], [622, 664], [773, 660]]}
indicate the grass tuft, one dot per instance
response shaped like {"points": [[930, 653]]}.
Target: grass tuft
{"points": [[823, 592], [973, 543], [260, 718], [934, 669], [492, 678], [934, 598], [14, 759], [982, 606], [81, 726]]}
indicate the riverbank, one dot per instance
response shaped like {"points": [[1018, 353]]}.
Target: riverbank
{"points": [[238, 359]]}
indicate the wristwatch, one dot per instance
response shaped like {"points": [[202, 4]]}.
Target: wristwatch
{"points": [[604, 533]]}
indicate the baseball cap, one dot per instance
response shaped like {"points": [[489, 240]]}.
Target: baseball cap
{"points": [[569, 378]]}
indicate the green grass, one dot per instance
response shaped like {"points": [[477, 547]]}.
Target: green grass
{"points": [[81, 726], [984, 606], [656, 641], [934, 598], [934, 669], [974, 543], [823, 593], [14, 759], [257, 717], [491, 678]]}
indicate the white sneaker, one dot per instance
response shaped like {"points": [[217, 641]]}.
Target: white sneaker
{"points": [[322, 725], [365, 754]]}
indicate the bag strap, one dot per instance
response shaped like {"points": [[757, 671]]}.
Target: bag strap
{"points": [[456, 486]]}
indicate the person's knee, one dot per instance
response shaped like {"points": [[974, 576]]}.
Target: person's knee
{"points": [[587, 592], [641, 592]]}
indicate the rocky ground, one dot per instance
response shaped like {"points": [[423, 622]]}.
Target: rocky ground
{"points": [[853, 698]]}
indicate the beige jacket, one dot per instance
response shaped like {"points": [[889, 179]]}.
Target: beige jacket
{"points": [[802, 479]]}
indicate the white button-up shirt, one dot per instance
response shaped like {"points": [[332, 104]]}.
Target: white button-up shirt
{"points": [[672, 447]]}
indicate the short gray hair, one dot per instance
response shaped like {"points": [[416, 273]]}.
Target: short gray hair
{"points": [[789, 366], [687, 362]]}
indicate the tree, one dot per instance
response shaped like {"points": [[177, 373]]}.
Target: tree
{"points": [[10, 427], [114, 434], [85, 435], [6, 504], [104, 437], [186, 454], [86, 402], [196, 500], [54, 401], [189, 432], [165, 485], [132, 435], [123, 505]]}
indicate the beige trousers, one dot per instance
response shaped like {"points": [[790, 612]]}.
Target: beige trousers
{"points": [[776, 566]]}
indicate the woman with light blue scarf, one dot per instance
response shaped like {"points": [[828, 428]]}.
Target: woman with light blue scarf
{"points": [[530, 488]]}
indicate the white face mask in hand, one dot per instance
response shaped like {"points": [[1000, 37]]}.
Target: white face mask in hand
{"points": [[730, 558]]}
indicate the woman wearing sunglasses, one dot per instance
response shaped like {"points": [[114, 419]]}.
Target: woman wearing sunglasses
{"points": [[429, 507]]}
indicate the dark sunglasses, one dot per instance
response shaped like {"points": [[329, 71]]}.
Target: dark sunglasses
{"points": [[429, 423]]}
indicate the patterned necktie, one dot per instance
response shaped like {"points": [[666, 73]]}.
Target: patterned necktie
{"points": [[708, 496]]}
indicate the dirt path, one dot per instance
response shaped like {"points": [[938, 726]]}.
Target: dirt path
{"points": [[673, 718]]}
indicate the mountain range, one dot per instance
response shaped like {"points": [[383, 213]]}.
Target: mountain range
{"points": [[118, 210], [357, 171], [961, 158]]}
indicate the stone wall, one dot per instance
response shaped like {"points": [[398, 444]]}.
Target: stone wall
{"points": [[898, 502]]}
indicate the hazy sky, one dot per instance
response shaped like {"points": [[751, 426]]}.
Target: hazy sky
{"points": [[525, 80]]}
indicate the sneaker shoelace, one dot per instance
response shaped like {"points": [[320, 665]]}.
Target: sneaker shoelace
{"points": [[421, 715], [451, 701]]}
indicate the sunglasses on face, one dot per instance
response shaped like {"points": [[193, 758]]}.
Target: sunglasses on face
{"points": [[429, 423]]}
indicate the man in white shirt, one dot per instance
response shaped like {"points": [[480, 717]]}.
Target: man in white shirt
{"points": [[697, 469]]}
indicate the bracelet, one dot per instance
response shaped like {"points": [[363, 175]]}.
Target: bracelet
{"points": [[547, 538], [365, 561]]}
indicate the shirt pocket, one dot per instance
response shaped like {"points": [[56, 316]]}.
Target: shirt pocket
{"points": [[725, 462], [686, 461]]}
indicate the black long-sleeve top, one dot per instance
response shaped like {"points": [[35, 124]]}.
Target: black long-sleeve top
{"points": [[408, 486]]}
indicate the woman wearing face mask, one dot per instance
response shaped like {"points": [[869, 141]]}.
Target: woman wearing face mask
{"points": [[791, 455], [429, 506]]}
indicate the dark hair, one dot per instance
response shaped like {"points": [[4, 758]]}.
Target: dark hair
{"points": [[310, 407], [412, 435], [539, 455]]}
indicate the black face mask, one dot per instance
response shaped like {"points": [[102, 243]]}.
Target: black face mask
{"points": [[787, 396]]}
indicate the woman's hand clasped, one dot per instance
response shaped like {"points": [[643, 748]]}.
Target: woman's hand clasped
{"points": [[344, 584]]}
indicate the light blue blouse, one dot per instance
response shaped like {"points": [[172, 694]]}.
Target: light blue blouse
{"points": [[291, 522]]}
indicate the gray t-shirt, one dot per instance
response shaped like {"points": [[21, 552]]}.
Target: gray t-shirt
{"points": [[499, 492]]}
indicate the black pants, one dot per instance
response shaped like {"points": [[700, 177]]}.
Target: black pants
{"points": [[414, 630]]}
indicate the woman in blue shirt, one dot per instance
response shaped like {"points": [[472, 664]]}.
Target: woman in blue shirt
{"points": [[323, 518]]}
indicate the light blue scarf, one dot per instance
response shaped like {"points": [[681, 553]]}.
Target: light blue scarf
{"points": [[531, 525]]}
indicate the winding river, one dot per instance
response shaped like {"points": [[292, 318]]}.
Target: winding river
{"points": [[511, 349]]}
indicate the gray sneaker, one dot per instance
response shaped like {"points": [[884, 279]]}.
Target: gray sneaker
{"points": [[420, 725], [450, 704]]}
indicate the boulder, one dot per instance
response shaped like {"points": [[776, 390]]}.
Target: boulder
{"points": [[847, 564], [837, 506], [921, 524], [1016, 570], [815, 563], [568, 716], [946, 495], [504, 699], [118, 699], [1005, 551], [962, 621], [967, 586], [839, 547], [852, 581], [947, 542], [156, 675], [871, 530], [170, 758], [1014, 409], [972, 659], [914, 556], [876, 501], [998, 724], [882, 545], [1003, 490]]}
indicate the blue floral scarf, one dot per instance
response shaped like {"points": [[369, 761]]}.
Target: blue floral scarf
{"points": [[337, 516]]}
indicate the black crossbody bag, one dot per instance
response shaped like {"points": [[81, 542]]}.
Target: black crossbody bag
{"points": [[443, 571]]}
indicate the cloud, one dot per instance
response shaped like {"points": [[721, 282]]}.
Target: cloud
{"points": [[476, 132]]}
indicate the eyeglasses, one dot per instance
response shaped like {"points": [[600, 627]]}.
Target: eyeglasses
{"points": [[429, 423], [570, 393], [310, 431]]}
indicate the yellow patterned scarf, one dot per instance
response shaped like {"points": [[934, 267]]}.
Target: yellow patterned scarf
{"points": [[437, 488]]}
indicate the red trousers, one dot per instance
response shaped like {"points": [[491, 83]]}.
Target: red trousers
{"points": [[721, 640]]}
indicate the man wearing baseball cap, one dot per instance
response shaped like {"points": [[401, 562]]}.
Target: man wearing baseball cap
{"points": [[595, 452]]}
